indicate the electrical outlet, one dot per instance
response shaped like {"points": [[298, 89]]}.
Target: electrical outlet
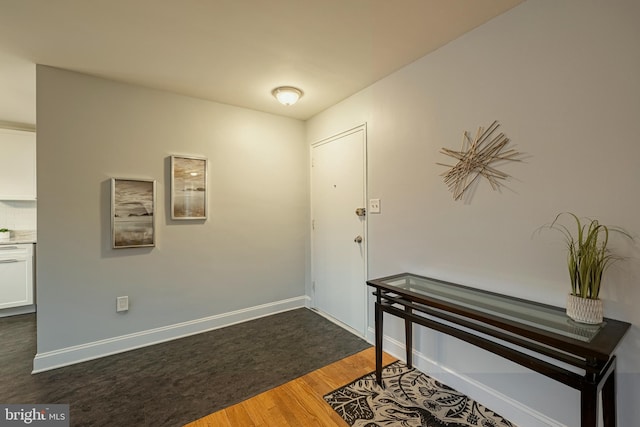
{"points": [[122, 304], [374, 206]]}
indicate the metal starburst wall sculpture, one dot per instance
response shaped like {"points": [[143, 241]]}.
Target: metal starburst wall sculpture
{"points": [[477, 158]]}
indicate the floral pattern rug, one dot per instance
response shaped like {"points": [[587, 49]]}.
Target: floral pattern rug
{"points": [[409, 398]]}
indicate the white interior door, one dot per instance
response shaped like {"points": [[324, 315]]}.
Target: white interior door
{"points": [[338, 233]]}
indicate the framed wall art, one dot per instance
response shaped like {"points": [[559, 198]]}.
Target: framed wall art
{"points": [[188, 187], [133, 207]]}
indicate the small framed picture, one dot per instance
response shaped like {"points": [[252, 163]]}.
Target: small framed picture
{"points": [[188, 187], [133, 207]]}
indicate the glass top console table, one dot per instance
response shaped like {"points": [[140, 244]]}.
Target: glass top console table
{"points": [[516, 329]]}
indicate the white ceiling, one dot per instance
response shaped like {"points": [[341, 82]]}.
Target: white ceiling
{"points": [[229, 51]]}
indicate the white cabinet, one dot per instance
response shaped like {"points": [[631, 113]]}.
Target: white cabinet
{"points": [[16, 275], [17, 165]]}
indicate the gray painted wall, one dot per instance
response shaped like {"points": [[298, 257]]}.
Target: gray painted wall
{"points": [[562, 77], [250, 251]]}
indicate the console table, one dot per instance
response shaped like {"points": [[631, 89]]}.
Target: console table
{"points": [[506, 326]]}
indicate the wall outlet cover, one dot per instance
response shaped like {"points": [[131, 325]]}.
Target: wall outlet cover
{"points": [[374, 206]]}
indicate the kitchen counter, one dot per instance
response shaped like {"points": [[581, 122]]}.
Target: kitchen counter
{"points": [[21, 236]]}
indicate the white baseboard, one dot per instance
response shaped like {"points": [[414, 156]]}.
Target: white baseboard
{"points": [[337, 322], [513, 410], [15, 311], [94, 350]]}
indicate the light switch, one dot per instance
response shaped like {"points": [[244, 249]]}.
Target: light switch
{"points": [[122, 304], [374, 206]]}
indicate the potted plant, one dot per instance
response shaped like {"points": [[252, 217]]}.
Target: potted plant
{"points": [[588, 257], [5, 234]]}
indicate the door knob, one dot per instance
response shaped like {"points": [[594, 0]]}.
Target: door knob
{"points": [[358, 239]]}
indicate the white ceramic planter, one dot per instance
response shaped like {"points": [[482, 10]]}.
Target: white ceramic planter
{"points": [[585, 310], [5, 236]]}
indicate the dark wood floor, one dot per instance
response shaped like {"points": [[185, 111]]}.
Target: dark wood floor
{"points": [[174, 383]]}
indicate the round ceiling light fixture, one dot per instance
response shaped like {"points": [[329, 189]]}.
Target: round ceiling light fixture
{"points": [[287, 95]]}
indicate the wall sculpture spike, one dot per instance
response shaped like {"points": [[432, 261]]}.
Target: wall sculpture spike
{"points": [[477, 158]]}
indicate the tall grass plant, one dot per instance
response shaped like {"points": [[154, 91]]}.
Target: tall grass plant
{"points": [[588, 256]]}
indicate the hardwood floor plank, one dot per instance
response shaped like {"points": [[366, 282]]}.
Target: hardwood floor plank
{"points": [[315, 409], [238, 416], [217, 419], [270, 412], [299, 402], [255, 413]]}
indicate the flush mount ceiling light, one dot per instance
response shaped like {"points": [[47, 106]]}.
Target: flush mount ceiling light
{"points": [[287, 95]]}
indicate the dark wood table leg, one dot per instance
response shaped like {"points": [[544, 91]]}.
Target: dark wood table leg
{"points": [[378, 327], [609, 396], [589, 405], [408, 337]]}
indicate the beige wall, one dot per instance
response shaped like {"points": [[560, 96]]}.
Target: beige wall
{"points": [[563, 80], [250, 252]]}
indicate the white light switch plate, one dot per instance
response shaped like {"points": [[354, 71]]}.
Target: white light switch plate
{"points": [[122, 303], [374, 206]]}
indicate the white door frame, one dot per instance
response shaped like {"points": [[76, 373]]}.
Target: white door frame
{"points": [[364, 294]]}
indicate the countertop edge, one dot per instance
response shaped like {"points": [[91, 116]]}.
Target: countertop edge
{"points": [[21, 237]]}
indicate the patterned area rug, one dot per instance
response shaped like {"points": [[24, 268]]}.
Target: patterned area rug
{"points": [[409, 398]]}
